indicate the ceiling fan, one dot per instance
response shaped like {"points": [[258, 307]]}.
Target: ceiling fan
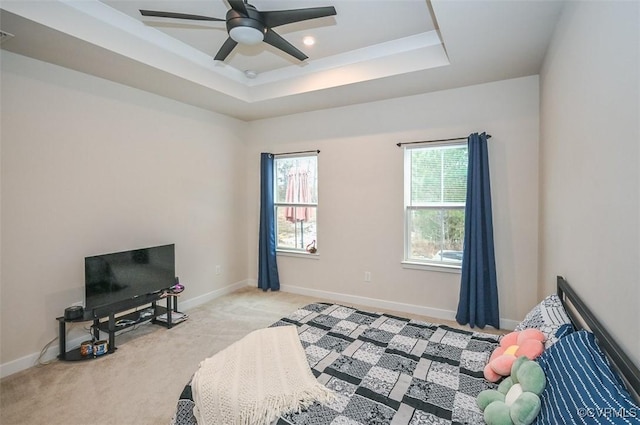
{"points": [[248, 25]]}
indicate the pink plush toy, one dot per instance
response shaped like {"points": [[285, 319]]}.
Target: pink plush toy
{"points": [[529, 342]]}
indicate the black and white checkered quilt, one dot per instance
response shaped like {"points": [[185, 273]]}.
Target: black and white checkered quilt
{"points": [[384, 369]]}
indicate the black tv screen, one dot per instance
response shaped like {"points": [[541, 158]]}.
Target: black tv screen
{"points": [[119, 276]]}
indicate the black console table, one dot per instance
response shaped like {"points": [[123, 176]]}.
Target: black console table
{"points": [[107, 319]]}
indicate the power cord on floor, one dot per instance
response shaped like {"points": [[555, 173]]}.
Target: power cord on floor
{"points": [[44, 349], [39, 361]]}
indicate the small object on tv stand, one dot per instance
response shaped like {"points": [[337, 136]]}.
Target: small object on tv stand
{"points": [[176, 317], [174, 291], [75, 312], [177, 288], [147, 312]]}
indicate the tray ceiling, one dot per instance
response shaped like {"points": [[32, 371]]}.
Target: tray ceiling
{"points": [[371, 50]]}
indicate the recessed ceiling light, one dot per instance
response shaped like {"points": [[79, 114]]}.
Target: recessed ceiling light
{"points": [[249, 73], [309, 41]]}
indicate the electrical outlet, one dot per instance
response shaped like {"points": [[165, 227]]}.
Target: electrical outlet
{"points": [[367, 276], [218, 269]]}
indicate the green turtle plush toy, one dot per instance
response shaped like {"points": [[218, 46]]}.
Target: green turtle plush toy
{"points": [[517, 399]]}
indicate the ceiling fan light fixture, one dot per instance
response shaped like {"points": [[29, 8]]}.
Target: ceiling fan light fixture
{"points": [[247, 25], [246, 35]]}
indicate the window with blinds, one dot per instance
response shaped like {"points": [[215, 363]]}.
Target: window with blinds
{"points": [[296, 203], [435, 194]]}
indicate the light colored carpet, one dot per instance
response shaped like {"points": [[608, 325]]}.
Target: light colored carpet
{"points": [[140, 383]]}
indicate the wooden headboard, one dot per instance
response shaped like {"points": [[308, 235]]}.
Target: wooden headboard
{"points": [[585, 319]]}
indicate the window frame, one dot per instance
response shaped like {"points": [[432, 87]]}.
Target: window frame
{"points": [[294, 252], [409, 207]]}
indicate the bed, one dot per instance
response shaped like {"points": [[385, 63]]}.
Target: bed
{"points": [[582, 318], [386, 369]]}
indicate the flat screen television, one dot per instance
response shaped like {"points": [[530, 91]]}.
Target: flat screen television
{"points": [[121, 276]]}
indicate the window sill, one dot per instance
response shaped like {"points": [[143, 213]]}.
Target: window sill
{"points": [[297, 254], [431, 267]]}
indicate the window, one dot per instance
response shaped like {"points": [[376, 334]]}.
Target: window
{"points": [[296, 202], [435, 194]]}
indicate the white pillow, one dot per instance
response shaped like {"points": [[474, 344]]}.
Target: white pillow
{"points": [[550, 318]]}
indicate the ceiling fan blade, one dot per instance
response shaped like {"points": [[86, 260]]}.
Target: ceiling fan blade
{"points": [[226, 48], [280, 43], [160, 14], [276, 18], [238, 6]]}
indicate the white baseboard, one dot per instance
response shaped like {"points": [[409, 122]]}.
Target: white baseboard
{"points": [[30, 360], [371, 302], [508, 324], [201, 299], [436, 313], [52, 352]]}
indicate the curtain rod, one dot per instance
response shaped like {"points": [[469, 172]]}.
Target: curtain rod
{"points": [[433, 141], [293, 153]]}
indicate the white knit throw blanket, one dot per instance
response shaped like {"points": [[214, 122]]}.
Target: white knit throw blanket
{"points": [[255, 380]]}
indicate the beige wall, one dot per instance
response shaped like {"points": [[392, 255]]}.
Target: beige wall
{"points": [[360, 216], [590, 156], [89, 167]]}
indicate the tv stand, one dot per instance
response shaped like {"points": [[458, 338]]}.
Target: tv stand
{"points": [[107, 319]]}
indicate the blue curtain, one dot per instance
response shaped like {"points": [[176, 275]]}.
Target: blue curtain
{"points": [[267, 267], [478, 305]]}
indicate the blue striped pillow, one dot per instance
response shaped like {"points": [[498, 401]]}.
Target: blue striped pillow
{"points": [[581, 386]]}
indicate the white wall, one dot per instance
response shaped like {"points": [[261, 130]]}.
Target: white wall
{"points": [[590, 156], [89, 167], [360, 215]]}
